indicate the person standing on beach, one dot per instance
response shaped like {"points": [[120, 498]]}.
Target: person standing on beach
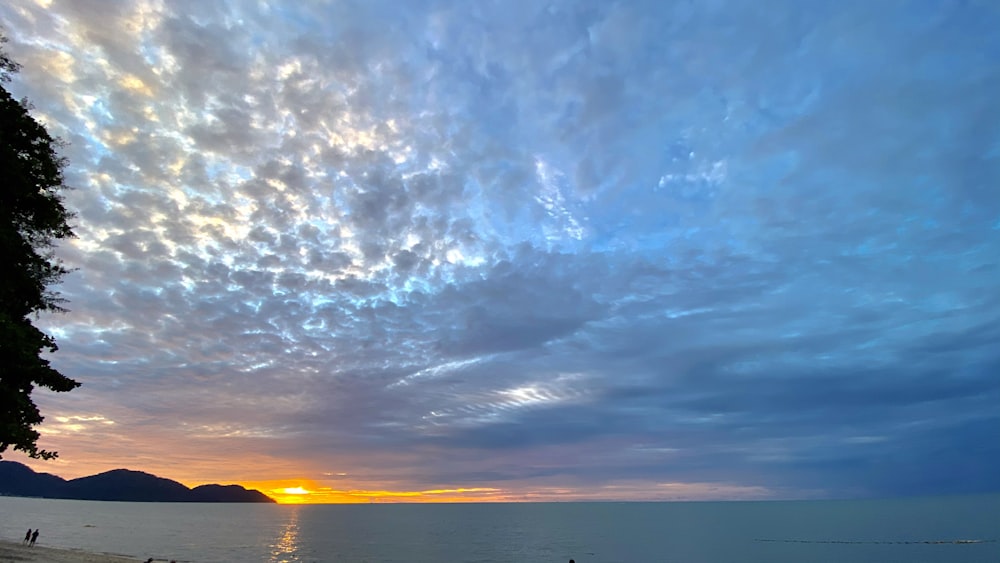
{"points": [[34, 536], [27, 537]]}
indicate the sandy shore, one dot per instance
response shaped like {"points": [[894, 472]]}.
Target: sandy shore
{"points": [[14, 552]]}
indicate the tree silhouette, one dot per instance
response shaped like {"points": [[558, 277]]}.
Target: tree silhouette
{"points": [[32, 217]]}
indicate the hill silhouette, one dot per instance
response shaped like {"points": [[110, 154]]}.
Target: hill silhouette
{"points": [[17, 479]]}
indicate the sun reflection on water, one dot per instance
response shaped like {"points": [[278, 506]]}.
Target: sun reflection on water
{"points": [[285, 548]]}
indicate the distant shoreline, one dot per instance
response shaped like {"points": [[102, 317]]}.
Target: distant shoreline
{"points": [[125, 485], [11, 551]]}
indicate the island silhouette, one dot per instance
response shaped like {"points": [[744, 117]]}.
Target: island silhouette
{"points": [[19, 480]]}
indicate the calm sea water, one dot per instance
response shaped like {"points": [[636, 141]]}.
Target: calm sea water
{"points": [[711, 532]]}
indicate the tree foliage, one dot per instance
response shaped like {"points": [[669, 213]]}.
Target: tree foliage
{"points": [[32, 218]]}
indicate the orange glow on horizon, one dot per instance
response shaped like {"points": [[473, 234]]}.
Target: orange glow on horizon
{"points": [[362, 491], [305, 492], [302, 491]]}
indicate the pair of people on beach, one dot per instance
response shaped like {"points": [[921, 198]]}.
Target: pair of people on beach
{"points": [[31, 537]]}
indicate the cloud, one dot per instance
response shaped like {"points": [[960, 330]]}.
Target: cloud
{"points": [[574, 246]]}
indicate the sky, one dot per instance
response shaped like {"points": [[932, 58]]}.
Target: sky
{"points": [[526, 250]]}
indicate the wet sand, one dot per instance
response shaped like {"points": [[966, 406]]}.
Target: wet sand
{"points": [[15, 552]]}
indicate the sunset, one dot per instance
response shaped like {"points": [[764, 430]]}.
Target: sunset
{"points": [[408, 252], [325, 495]]}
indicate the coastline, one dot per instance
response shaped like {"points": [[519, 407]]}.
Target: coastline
{"points": [[15, 552]]}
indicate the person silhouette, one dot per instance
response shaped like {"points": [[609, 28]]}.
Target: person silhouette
{"points": [[27, 536], [34, 537]]}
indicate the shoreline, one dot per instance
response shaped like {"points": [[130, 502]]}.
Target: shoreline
{"points": [[15, 552]]}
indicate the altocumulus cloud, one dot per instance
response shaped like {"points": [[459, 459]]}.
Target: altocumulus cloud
{"points": [[577, 249]]}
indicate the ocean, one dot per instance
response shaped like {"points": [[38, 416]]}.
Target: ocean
{"points": [[920, 530]]}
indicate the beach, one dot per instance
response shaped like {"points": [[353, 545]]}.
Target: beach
{"points": [[11, 552]]}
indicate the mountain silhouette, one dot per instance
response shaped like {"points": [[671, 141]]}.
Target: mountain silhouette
{"points": [[19, 480]]}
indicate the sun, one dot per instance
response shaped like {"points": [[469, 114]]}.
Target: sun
{"points": [[295, 491]]}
